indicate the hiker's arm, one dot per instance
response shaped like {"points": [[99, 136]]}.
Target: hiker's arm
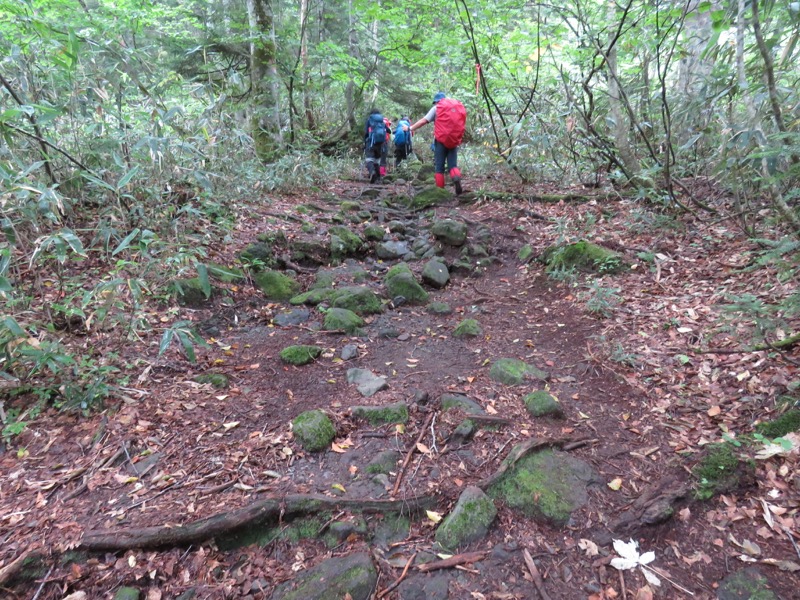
{"points": [[418, 124]]}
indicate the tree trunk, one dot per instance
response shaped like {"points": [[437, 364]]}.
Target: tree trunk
{"points": [[304, 24], [264, 116], [693, 69], [621, 124]]}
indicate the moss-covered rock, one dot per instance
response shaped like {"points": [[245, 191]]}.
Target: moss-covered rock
{"points": [[300, 354], [349, 205], [439, 308], [191, 293], [352, 575], [468, 328], [469, 520], [313, 430], [258, 254], [405, 285], [384, 462], [314, 296], [451, 401], [344, 242], [512, 371], [721, 470], [583, 256], [309, 251], [450, 232], [745, 584], [275, 285], [360, 299], [341, 319], [323, 280], [429, 197], [374, 233], [217, 380], [786, 423], [382, 415], [548, 485], [543, 404]]}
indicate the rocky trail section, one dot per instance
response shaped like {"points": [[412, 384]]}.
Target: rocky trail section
{"points": [[409, 409]]}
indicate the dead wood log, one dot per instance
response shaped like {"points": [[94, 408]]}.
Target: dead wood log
{"points": [[8, 572], [520, 451], [453, 561], [268, 509], [654, 506]]}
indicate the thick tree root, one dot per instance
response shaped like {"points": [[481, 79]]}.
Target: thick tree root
{"points": [[269, 509]]}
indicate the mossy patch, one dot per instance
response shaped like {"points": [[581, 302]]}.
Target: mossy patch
{"points": [[314, 296], [217, 380], [382, 415], [300, 355], [275, 285], [313, 430], [548, 485], [745, 584], [126, 593], [468, 328], [344, 242], [360, 299], [786, 423], [720, 471], [512, 371], [439, 308], [429, 197], [583, 256], [258, 255], [543, 404], [525, 253], [374, 233]]}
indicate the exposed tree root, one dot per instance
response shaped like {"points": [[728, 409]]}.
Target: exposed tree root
{"points": [[548, 198], [269, 509], [654, 506]]}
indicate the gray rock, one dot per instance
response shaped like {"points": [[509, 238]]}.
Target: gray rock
{"points": [[435, 274], [391, 250], [449, 400], [349, 352], [367, 383], [450, 232], [439, 308], [338, 577], [425, 587], [385, 462], [468, 522], [396, 227], [463, 433], [297, 316]]}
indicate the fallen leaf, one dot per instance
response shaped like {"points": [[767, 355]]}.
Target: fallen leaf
{"points": [[423, 448], [337, 448], [589, 547], [714, 411], [434, 516], [783, 565], [231, 425], [340, 487], [615, 484]]}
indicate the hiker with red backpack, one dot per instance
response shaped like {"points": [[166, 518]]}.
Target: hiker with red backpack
{"points": [[449, 118], [376, 147]]}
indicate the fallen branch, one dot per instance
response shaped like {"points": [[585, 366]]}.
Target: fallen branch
{"points": [[534, 571], [410, 453], [785, 344], [269, 509], [453, 561], [522, 450], [400, 579]]}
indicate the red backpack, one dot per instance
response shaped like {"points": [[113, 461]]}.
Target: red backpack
{"points": [[451, 118]]}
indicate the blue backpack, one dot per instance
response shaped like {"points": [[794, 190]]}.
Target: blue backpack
{"points": [[376, 130], [402, 138]]}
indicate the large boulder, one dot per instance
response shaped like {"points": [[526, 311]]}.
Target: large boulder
{"points": [[341, 319], [435, 274]]}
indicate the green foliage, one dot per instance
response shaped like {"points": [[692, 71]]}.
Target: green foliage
{"points": [[601, 300], [719, 471], [786, 423]]}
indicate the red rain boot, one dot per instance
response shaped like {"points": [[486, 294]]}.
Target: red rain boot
{"points": [[439, 179], [455, 175]]}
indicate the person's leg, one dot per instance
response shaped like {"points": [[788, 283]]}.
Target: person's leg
{"points": [[400, 154], [455, 172], [384, 154], [439, 157], [373, 158]]}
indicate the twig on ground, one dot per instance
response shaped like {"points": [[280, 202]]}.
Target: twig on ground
{"points": [[458, 559], [400, 579], [788, 533], [41, 585], [410, 453], [622, 585], [108, 462], [534, 571]]}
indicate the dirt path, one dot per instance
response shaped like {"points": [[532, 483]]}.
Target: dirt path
{"points": [[183, 451]]}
